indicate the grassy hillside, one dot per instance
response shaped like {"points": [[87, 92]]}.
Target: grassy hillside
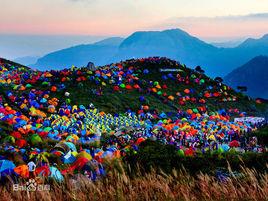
{"points": [[48, 117], [162, 91]]}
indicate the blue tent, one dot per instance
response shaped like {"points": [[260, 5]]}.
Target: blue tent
{"points": [[71, 146], [6, 165], [56, 174], [69, 158], [225, 147], [6, 168]]}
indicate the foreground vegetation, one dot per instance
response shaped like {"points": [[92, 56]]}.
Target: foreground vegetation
{"points": [[179, 185], [158, 172], [154, 155]]}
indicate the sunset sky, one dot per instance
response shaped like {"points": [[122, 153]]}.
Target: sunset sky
{"points": [[203, 18], [37, 27]]}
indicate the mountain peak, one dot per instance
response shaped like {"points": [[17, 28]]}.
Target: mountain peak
{"points": [[176, 37], [253, 42], [110, 41], [176, 30], [259, 58], [265, 36]]}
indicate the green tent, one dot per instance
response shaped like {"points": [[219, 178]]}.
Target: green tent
{"points": [[180, 152], [202, 81], [195, 110], [47, 129], [35, 139], [28, 85], [84, 154], [193, 76], [10, 139]]}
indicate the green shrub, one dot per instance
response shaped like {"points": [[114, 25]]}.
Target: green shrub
{"points": [[155, 155]]}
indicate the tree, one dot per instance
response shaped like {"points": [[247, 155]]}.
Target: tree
{"points": [[242, 88], [91, 66], [218, 79], [199, 69]]}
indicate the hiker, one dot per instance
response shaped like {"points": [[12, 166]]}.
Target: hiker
{"points": [[31, 166]]}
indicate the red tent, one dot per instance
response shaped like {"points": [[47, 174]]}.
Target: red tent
{"points": [[136, 86], [16, 134], [140, 140], [234, 143], [129, 87], [77, 165], [21, 143], [44, 171], [116, 88]]}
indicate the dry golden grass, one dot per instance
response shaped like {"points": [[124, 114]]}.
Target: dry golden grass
{"points": [[152, 186]]}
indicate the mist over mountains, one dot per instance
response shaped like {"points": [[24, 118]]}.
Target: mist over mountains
{"points": [[17, 46]]}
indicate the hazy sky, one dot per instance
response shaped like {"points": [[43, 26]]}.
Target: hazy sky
{"points": [[204, 18]]}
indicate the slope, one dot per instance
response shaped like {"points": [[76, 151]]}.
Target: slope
{"points": [[156, 84], [253, 75]]}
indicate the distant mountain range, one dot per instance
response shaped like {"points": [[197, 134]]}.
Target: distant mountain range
{"points": [[175, 44], [100, 53], [20, 45], [253, 75], [227, 44]]}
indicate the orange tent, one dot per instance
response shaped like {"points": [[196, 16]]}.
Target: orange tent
{"points": [[102, 113], [117, 154], [189, 111], [22, 170], [171, 98], [22, 88], [187, 91], [53, 89], [154, 90], [145, 107], [158, 86]]}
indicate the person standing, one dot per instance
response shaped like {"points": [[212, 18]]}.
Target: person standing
{"points": [[31, 166]]}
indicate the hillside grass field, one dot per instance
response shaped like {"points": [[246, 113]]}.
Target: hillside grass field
{"points": [[152, 169]]}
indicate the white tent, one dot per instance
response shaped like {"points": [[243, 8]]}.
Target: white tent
{"points": [[251, 120]]}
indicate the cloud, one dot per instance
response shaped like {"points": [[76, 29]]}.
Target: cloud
{"points": [[255, 16], [251, 25]]}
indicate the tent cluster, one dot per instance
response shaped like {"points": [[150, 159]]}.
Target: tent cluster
{"points": [[40, 122], [251, 120]]}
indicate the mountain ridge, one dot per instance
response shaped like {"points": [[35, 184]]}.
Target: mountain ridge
{"points": [[253, 75], [173, 43]]}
